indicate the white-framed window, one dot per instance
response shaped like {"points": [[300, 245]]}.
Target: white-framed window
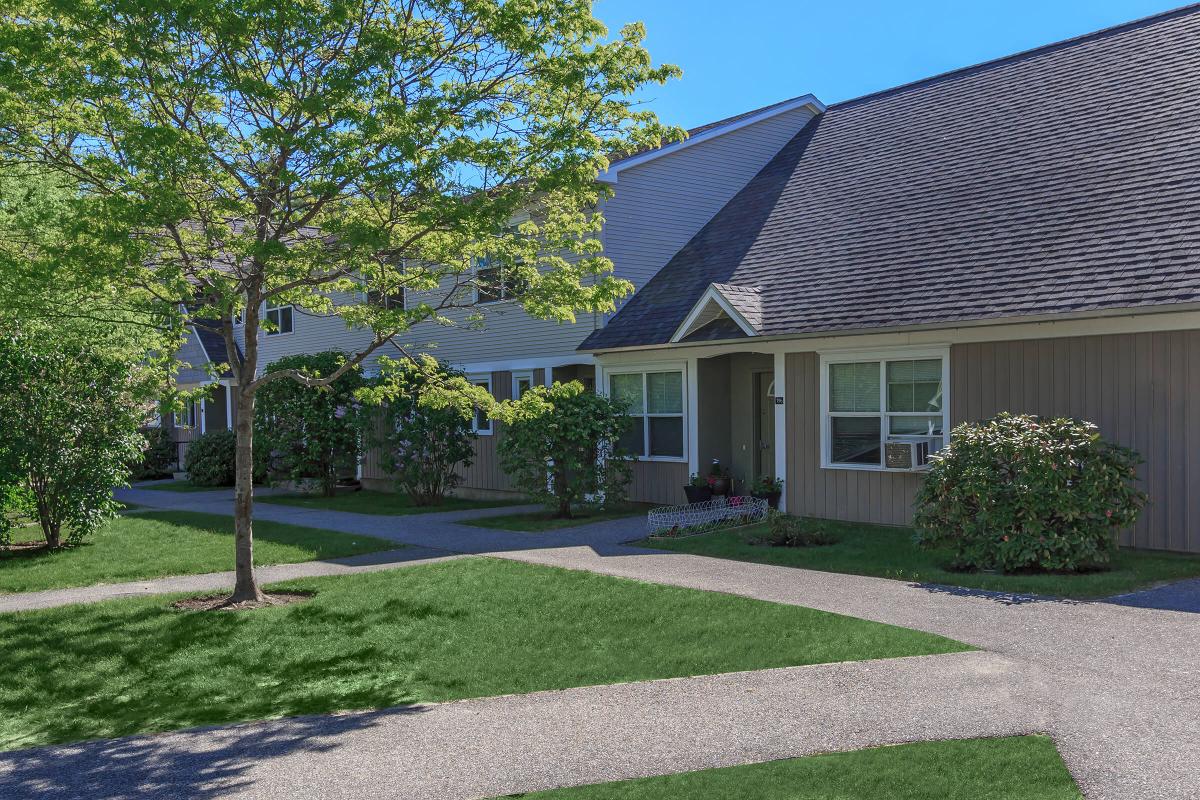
{"points": [[389, 300], [654, 399], [870, 399], [188, 417], [522, 382], [495, 283], [482, 424], [281, 318]]}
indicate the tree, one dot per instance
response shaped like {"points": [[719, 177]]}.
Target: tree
{"points": [[567, 433], [71, 417], [312, 434], [426, 431], [281, 152]]}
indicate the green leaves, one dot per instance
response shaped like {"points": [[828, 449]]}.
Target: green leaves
{"points": [[1024, 492], [411, 135], [557, 446]]}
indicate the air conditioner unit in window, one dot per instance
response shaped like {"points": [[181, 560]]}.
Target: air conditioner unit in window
{"points": [[907, 454]]}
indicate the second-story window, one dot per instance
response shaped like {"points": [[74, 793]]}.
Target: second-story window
{"points": [[397, 299], [280, 318], [495, 283]]}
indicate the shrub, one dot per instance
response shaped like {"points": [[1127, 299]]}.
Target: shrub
{"points": [[158, 457], [426, 432], [210, 457], [567, 433], [784, 530], [1020, 492], [70, 414], [313, 434]]}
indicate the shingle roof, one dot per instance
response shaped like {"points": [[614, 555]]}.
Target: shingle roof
{"points": [[1064, 179], [746, 300], [213, 343]]}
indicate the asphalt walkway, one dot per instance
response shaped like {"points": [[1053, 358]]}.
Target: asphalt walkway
{"points": [[1118, 687]]}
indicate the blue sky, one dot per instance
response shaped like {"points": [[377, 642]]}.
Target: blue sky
{"points": [[740, 55]]}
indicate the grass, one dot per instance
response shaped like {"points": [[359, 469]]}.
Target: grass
{"points": [[436, 632], [383, 503], [1024, 767], [888, 552], [542, 521], [159, 543]]}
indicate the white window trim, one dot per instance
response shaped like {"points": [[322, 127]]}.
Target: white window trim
{"points": [[503, 288], [475, 380], [269, 307], [194, 406], [603, 385], [521, 375], [882, 356]]}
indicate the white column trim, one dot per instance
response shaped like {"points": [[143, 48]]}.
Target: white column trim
{"points": [[202, 424], [228, 407], [692, 398], [781, 422]]}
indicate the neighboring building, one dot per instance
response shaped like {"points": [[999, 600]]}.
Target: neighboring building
{"points": [[215, 411], [1021, 235], [661, 198]]}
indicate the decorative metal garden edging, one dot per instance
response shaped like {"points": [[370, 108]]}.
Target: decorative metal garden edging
{"points": [[696, 518]]}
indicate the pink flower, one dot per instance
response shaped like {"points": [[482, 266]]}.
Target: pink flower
{"points": [[1108, 513]]}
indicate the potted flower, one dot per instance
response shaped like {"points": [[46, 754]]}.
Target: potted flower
{"points": [[768, 489], [698, 489], [720, 479]]}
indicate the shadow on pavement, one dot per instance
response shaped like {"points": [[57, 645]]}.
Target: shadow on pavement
{"points": [[167, 766]]}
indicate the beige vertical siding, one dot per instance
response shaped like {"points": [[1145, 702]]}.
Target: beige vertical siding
{"points": [[658, 482], [485, 471], [1142, 390], [858, 495]]}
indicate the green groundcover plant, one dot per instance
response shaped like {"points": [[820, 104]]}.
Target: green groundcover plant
{"points": [[1020, 492]]}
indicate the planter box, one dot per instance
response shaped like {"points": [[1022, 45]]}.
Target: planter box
{"points": [[772, 498], [698, 494]]}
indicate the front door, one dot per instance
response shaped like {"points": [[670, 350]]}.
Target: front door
{"points": [[764, 428]]}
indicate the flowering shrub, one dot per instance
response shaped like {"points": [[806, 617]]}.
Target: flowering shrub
{"points": [[563, 432], [426, 431], [311, 434], [1020, 492]]}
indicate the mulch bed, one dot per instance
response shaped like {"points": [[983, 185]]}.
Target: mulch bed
{"points": [[217, 602]]}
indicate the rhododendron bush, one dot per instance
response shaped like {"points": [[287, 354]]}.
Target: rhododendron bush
{"points": [[1020, 492]]}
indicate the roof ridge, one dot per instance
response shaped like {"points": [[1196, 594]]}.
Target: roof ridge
{"points": [[1013, 58]]}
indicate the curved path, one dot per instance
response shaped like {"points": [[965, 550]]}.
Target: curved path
{"points": [[1117, 687]]}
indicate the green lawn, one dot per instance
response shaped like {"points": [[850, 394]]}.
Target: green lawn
{"points": [[889, 552], [464, 628], [1015, 768], [181, 486], [541, 521], [387, 503], [157, 543]]}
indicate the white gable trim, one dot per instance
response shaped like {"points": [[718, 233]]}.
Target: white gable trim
{"points": [[611, 174], [695, 318]]}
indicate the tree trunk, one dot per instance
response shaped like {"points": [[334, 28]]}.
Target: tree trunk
{"points": [[564, 500], [245, 588]]}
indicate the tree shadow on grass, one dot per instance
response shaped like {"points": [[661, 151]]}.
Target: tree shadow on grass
{"points": [[204, 763]]}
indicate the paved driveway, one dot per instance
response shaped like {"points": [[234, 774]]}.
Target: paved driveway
{"points": [[1118, 687]]}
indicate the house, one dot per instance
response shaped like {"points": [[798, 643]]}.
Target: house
{"points": [[661, 199], [823, 293], [1021, 235]]}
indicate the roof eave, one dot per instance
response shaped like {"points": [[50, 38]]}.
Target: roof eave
{"points": [[612, 174]]}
